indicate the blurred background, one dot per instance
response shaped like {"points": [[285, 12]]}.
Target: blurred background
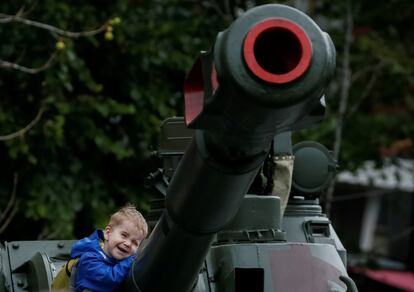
{"points": [[84, 86]]}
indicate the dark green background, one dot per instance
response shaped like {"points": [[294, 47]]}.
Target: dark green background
{"points": [[104, 100]]}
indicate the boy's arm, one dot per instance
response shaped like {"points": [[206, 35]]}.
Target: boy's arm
{"points": [[93, 273]]}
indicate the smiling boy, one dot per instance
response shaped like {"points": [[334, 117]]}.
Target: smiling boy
{"points": [[105, 257]]}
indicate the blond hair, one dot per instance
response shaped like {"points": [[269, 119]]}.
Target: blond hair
{"points": [[130, 213]]}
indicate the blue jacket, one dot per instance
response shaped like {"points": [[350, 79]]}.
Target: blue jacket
{"points": [[95, 270]]}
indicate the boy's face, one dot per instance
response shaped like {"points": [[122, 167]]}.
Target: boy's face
{"points": [[122, 240]]}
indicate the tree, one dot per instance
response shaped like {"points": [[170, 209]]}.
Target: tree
{"points": [[95, 111], [33, 42], [370, 102]]}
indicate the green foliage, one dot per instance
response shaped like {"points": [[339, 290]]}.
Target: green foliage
{"points": [[380, 105], [103, 99]]}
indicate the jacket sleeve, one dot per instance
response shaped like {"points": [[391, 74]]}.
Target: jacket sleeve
{"points": [[95, 274]]}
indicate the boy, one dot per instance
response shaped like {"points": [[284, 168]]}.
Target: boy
{"points": [[105, 257]]}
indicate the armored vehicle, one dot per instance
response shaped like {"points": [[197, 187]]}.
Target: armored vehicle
{"points": [[263, 78]]}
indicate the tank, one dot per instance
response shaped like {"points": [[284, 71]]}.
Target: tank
{"points": [[263, 78]]}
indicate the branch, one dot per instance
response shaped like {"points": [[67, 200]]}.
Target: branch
{"points": [[18, 17], [344, 96], [10, 218], [12, 197], [225, 16], [45, 233], [227, 7], [5, 18], [364, 95], [15, 66], [365, 70], [24, 130], [346, 81], [9, 206], [406, 232]]}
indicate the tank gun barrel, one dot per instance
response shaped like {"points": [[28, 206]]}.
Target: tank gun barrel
{"points": [[265, 74]]}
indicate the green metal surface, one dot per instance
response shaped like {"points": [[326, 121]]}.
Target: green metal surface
{"points": [[277, 267], [32, 265], [314, 168]]}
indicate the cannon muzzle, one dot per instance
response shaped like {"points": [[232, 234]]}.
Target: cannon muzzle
{"points": [[272, 63], [265, 74]]}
